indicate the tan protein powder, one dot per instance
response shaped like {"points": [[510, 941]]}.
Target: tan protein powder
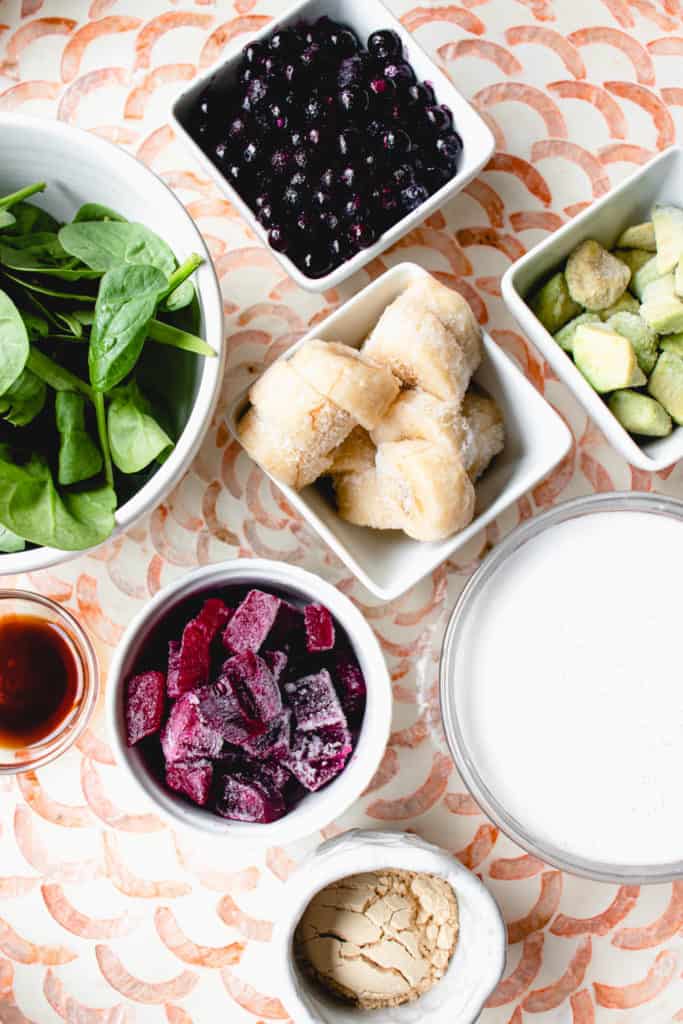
{"points": [[381, 938]]}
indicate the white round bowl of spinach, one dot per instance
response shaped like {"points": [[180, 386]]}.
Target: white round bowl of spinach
{"points": [[111, 341]]}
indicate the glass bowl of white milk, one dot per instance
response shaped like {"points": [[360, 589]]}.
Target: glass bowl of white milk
{"points": [[561, 689]]}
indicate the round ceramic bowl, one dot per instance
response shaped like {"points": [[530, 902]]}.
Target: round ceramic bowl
{"points": [[454, 683], [80, 167], [478, 961], [23, 604], [316, 809]]}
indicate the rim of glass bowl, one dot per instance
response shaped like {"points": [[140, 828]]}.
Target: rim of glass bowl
{"points": [[618, 501], [44, 751]]}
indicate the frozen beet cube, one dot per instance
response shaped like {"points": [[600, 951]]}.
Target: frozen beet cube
{"points": [[220, 709], [350, 685], [192, 778], [252, 681], [277, 773], [318, 757], [259, 618], [186, 736], [274, 742], [144, 707], [314, 701], [190, 662], [319, 628], [241, 797], [276, 662]]}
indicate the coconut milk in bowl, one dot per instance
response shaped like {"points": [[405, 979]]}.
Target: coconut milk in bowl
{"points": [[560, 686]]}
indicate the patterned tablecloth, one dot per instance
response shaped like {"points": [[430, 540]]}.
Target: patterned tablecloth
{"points": [[106, 915]]}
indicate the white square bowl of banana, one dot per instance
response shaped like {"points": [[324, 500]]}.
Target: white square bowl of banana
{"points": [[602, 301], [398, 429]]}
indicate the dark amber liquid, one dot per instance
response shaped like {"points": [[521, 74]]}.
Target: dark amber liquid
{"points": [[39, 679]]}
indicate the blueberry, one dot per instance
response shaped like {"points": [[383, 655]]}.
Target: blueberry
{"points": [[251, 153], [396, 142], [362, 234], [261, 200], [440, 118], [253, 53], [293, 198], [401, 73], [281, 161], [304, 222], [382, 87], [317, 261], [329, 221], [311, 58], [449, 148], [315, 110], [413, 196], [277, 239], [321, 199], [421, 94], [385, 44], [403, 175], [354, 100], [272, 67], [353, 207], [256, 91], [265, 215], [351, 71], [284, 42], [349, 176], [327, 178], [237, 129], [350, 142], [302, 158]]}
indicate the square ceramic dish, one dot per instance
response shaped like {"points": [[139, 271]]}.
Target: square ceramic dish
{"points": [[364, 16], [388, 562], [661, 180]]}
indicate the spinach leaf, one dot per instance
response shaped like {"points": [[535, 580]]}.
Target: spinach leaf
{"points": [[79, 456], [72, 324], [43, 289], [23, 400], [41, 253], [135, 437], [9, 542], [31, 218], [33, 508], [180, 297], [23, 193], [103, 245], [55, 376], [96, 211], [166, 334], [7, 219], [126, 303], [84, 316], [36, 326], [14, 346]]}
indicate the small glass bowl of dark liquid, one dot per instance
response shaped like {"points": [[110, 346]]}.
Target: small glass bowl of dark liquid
{"points": [[48, 680]]}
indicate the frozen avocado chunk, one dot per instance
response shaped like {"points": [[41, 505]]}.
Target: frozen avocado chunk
{"points": [[638, 236], [565, 335], [672, 343], [606, 359], [666, 384], [641, 336], [633, 258], [663, 313], [626, 304], [639, 414], [643, 277], [595, 278], [668, 223], [553, 305]]}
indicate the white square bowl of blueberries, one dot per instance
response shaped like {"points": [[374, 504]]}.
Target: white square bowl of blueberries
{"points": [[333, 134]]}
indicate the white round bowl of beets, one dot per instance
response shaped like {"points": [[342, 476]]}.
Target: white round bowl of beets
{"points": [[250, 699], [333, 136]]}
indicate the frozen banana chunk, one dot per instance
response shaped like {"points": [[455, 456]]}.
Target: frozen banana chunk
{"points": [[349, 379], [484, 436], [355, 454], [292, 429], [361, 500], [595, 278], [430, 485], [638, 236], [418, 416], [421, 352], [430, 338]]}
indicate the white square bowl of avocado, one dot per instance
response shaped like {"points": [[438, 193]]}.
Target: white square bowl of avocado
{"points": [[602, 301]]}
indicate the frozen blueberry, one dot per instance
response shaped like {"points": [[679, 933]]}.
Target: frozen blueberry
{"points": [[385, 44]]}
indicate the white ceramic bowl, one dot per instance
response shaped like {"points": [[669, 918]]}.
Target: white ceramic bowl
{"points": [[316, 809], [364, 16], [388, 562], [661, 180], [479, 958], [79, 167]]}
